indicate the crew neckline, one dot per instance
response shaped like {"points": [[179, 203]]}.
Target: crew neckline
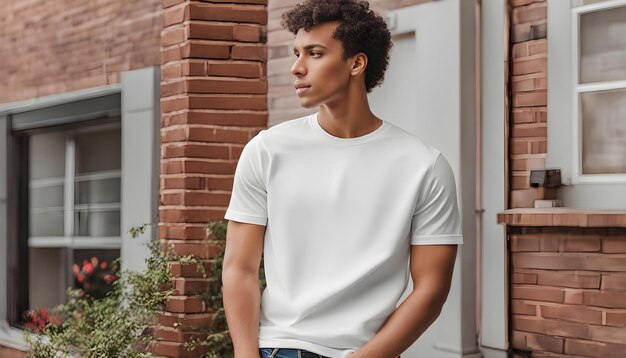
{"points": [[313, 121]]}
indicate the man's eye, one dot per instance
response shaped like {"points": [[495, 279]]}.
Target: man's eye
{"points": [[316, 53]]}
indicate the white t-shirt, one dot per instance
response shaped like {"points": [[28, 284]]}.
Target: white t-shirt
{"points": [[340, 216]]}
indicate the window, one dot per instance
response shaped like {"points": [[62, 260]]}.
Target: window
{"points": [[74, 179], [600, 92]]}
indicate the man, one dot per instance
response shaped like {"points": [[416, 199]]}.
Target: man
{"points": [[341, 203]]}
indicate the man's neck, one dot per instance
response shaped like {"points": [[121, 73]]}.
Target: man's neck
{"points": [[348, 118]]}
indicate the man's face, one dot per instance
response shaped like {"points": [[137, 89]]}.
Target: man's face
{"points": [[320, 66]]}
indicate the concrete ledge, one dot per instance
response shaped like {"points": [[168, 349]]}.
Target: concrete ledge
{"points": [[563, 217]]}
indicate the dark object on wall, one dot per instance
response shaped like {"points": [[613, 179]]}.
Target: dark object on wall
{"points": [[548, 178]]}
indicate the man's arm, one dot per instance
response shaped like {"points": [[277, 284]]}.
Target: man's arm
{"points": [[240, 278], [431, 268]]}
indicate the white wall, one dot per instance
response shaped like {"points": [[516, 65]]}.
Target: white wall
{"points": [[429, 90]]}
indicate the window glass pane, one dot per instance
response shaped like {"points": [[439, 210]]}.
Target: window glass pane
{"points": [[98, 150], [603, 45], [604, 132], [46, 223], [47, 155], [47, 276], [97, 223], [47, 197], [98, 191]]}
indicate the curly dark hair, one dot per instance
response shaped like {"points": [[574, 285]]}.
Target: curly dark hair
{"points": [[360, 30]]}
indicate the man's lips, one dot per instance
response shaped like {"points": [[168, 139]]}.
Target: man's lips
{"points": [[301, 88]]}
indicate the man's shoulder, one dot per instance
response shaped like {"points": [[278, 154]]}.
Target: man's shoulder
{"points": [[411, 142]]}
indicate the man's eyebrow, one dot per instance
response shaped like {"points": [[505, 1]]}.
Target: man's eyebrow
{"points": [[308, 47]]}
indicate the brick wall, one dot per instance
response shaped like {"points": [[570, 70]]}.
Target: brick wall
{"points": [[213, 101], [50, 47], [283, 101], [568, 291], [528, 84]]}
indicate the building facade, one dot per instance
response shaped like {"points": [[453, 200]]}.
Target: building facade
{"points": [[114, 115]]}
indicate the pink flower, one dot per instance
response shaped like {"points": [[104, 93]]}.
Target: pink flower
{"points": [[103, 265], [108, 278], [88, 268], [94, 261], [80, 277], [75, 269]]}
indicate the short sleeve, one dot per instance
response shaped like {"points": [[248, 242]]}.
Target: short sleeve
{"points": [[436, 219], [248, 201]]}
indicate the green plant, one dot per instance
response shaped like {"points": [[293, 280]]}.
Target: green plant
{"points": [[117, 325]]}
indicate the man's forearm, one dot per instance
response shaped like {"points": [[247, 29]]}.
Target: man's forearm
{"points": [[416, 313], [242, 301]]}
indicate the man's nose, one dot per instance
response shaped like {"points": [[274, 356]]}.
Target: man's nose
{"points": [[298, 67]]}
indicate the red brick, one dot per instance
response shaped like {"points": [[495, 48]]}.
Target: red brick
{"points": [[523, 308], [572, 314], [529, 82], [520, 146], [530, 31], [191, 286], [595, 349], [544, 343], [176, 349], [228, 12], [529, 48], [237, 102], [569, 261], [195, 198], [530, 99], [608, 334], [175, 335], [172, 36], [539, 147], [182, 231], [524, 278], [616, 318], [186, 149], [537, 293], [530, 13], [209, 31], [523, 243], [550, 327], [200, 250], [528, 163], [530, 64], [186, 321], [172, 182], [520, 182], [235, 69], [217, 117], [613, 245], [249, 52], [569, 279], [611, 299], [581, 244], [529, 130], [614, 282], [248, 33], [184, 304], [186, 215], [191, 269]]}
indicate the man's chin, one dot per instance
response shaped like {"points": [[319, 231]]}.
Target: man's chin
{"points": [[307, 104]]}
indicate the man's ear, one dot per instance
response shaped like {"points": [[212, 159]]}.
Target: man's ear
{"points": [[359, 63]]}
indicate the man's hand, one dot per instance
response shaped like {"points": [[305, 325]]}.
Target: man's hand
{"points": [[431, 269], [242, 294]]}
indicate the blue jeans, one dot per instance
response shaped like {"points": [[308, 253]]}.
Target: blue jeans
{"points": [[287, 353]]}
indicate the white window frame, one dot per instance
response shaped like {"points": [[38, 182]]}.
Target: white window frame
{"points": [[577, 176], [70, 239]]}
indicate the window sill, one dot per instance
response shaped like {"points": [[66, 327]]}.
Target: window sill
{"points": [[11, 337], [563, 217]]}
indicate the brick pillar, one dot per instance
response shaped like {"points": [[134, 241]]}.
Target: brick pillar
{"points": [[213, 101], [529, 86]]}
